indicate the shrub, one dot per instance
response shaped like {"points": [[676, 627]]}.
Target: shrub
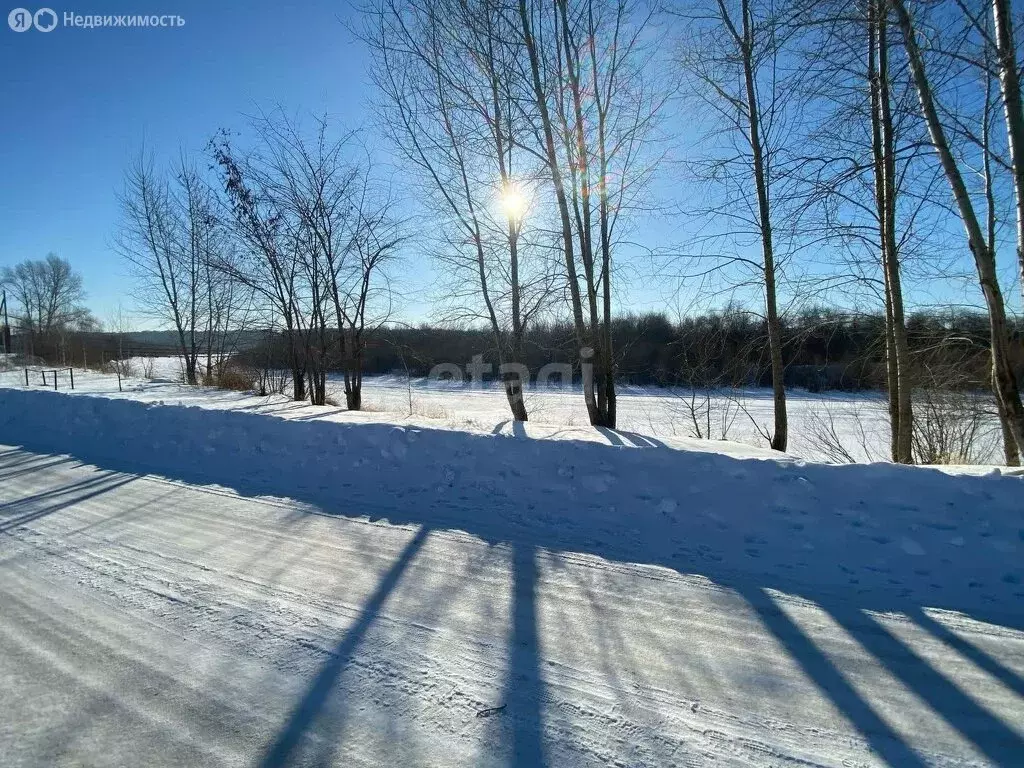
{"points": [[236, 377]]}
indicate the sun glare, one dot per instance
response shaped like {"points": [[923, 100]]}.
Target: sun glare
{"points": [[513, 203]]}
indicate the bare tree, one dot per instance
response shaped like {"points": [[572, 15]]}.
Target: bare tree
{"points": [[318, 234], [595, 108], [1013, 109], [883, 145], [169, 234], [1011, 454], [448, 77], [1005, 379], [738, 59], [361, 305], [268, 262], [47, 297], [993, 54]]}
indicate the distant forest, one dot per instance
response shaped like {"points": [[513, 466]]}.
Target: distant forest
{"points": [[823, 349]]}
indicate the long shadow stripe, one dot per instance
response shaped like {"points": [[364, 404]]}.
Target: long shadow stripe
{"points": [[305, 714], [988, 733], [940, 631], [77, 494], [882, 738], [524, 691]]}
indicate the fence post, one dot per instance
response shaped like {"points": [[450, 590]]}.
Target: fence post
{"points": [[44, 377], [55, 381], [26, 377], [119, 380], [72, 372]]}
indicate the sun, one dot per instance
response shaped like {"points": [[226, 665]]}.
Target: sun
{"points": [[513, 202]]}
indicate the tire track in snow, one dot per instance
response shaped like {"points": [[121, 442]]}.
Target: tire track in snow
{"points": [[203, 590]]}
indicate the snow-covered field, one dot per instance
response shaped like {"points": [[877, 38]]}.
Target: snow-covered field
{"points": [[818, 423], [197, 577]]}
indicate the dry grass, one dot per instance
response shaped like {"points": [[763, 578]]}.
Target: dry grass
{"points": [[371, 406], [233, 377], [429, 410]]}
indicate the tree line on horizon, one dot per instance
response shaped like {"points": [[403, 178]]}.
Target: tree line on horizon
{"points": [[824, 350]]}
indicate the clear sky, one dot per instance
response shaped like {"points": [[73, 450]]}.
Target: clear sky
{"points": [[77, 104]]}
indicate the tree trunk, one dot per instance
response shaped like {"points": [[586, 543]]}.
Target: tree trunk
{"points": [[317, 388], [298, 381], [190, 360], [354, 397], [884, 150], [892, 380], [1010, 450], [1009, 81], [540, 97], [780, 436], [354, 376], [514, 394], [1005, 379]]}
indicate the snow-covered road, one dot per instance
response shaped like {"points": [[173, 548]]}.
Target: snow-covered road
{"points": [[150, 622]]}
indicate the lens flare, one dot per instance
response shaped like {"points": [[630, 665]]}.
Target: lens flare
{"points": [[513, 203]]}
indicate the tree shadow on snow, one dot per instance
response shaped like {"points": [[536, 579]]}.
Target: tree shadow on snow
{"points": [[524, 687], [314, 731], [313, 705], [620, 437], [851, 538], [30, 508], [965, 648], [996, 740]]}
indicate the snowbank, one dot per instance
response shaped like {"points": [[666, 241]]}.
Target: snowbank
{"points": [[894, 536]]}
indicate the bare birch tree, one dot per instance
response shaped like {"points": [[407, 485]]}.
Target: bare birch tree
{"points": [[319, 235], [595, 108], [1013, 109], [169, 236], [990, 164], [268, 262], [883, 144], [447, 77], [997, 61], [1005, 379], [352, 232], [737, 57], [360, 288]]}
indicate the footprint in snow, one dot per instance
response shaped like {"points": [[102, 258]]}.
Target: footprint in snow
{"points": [[596, 483], [911, 547]]}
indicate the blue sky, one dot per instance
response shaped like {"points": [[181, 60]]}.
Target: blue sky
{"points": [[78, 103]]}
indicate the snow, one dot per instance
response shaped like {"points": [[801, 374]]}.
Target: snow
{"points": [[860, 420], [205, 577]]}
